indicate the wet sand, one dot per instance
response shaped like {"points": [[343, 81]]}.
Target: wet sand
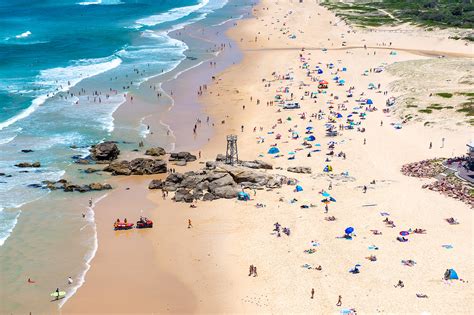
{"points": [[204, 269]]}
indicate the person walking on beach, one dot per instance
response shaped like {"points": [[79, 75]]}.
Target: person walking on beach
{"points": [[255, 271], [190, 224], [442, 143], [326, 208], [431, 145], [339, 301], [364, 189], [90, 202], [312, 293], [251, 270]]}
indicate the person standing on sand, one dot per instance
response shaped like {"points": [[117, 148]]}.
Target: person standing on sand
{"points": [[312, 293], [326, 208], [339, 301], [431, 145], [251, 270], [255, 271], [190, 224]]}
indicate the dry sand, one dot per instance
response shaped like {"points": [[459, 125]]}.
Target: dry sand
{"points": [[204, 269]]}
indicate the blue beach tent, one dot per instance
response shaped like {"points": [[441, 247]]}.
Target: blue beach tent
{"points": [[273, 150], [451, 274], [298, 188], [370, 102], [243, 196]]}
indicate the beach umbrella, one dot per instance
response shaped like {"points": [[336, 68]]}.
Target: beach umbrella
{"points": [[342, 81], [349, 230], [404, 233], [335, 78], [325, 194], [369, 101], [323, 82], [291, 153], [332, 199], [309, 128], [320, 71], [339, 115]]}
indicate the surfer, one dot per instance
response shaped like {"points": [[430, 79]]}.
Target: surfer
{"points": [[69, 280], [57, 293]]}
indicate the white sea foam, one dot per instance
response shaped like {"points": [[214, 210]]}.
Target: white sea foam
{"points": [[23, 35], [55, 80], [101, 2], [228, 20], [90, 216], [171, 15], [7, 140], [7, 224]]}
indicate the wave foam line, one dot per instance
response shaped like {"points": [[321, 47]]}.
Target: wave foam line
{"points": [[82, 278], [171, 15], [9, 227], [62, 79]]}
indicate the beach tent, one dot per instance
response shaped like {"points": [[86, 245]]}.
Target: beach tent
{"points": [[344, 69], [298, 188], [310, 138], [335, 78], [342, 82], [451, 274], [320, 71], [243, 196], [369, 102], [273, 150], [327, 168], [339, 115], [349, 230]]}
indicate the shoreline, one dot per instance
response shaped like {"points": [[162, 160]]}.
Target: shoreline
{"points": [[172, 269]]}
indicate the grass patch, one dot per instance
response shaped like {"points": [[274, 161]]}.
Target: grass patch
{"points": [[435, 106], [467, 109], [445, 95], [425, 111], [468, 94], [412, 106]]}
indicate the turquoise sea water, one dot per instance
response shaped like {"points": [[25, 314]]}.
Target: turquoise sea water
{"points": [[64, 69], [50, 49]]}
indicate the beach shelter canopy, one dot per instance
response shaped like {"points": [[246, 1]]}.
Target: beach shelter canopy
{"points": [[369, 101], [320, 71], [273, 150], [349, 230], [451, 274], [299, 188], [243, 196], [323, 82], [310, 138]]}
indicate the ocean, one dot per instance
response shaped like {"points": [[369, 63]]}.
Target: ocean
{"points": [[65, 68]]}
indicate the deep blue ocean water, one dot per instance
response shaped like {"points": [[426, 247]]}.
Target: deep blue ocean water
{"points": [[53, 56]]}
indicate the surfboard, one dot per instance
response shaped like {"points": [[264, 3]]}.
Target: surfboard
{"points": [[61, 293]]}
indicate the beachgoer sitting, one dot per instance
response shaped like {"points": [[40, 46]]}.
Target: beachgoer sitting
{"points": [[399, 284], [419, 231], [355, 270], [319, 268], [402, 239], [331, 218], [421, 296], [452, 221], [376, 232], [372, 258]]}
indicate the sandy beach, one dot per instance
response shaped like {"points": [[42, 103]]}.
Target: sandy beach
{"points": [[204, 269]]}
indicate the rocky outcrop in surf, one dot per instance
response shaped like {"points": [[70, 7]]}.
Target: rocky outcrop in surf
{"points": [[105, 151], [138, 166]]}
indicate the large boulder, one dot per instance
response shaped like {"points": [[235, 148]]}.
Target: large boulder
{"points": [[299, 169], [223, 181], [227, 192], [175, 178], [158, 151], [141, 166], [183, 195], [27, 164], [119, 168], [257, 164], [208, 197], [105, 151], [191, 181], [241, 175], [155, 184], [182, 156]]}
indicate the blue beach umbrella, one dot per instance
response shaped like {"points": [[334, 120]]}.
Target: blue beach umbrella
{"points": [[273, 150], [325, 194], [349, 230]]}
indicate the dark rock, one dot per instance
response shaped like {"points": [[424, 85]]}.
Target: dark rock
{"points": [[2, 174], [182, 156], [175, 178], [91, 170], [299, 169], [211, 165], [83, 188], [106, 186], [82, 161], [35, 185], [223, 181], [208, 197], [27, 164], [119, 168], [105, 151], [220, 158], [183, 195], [155, 184], [27, 151], [158, 151], [143, 166]]}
